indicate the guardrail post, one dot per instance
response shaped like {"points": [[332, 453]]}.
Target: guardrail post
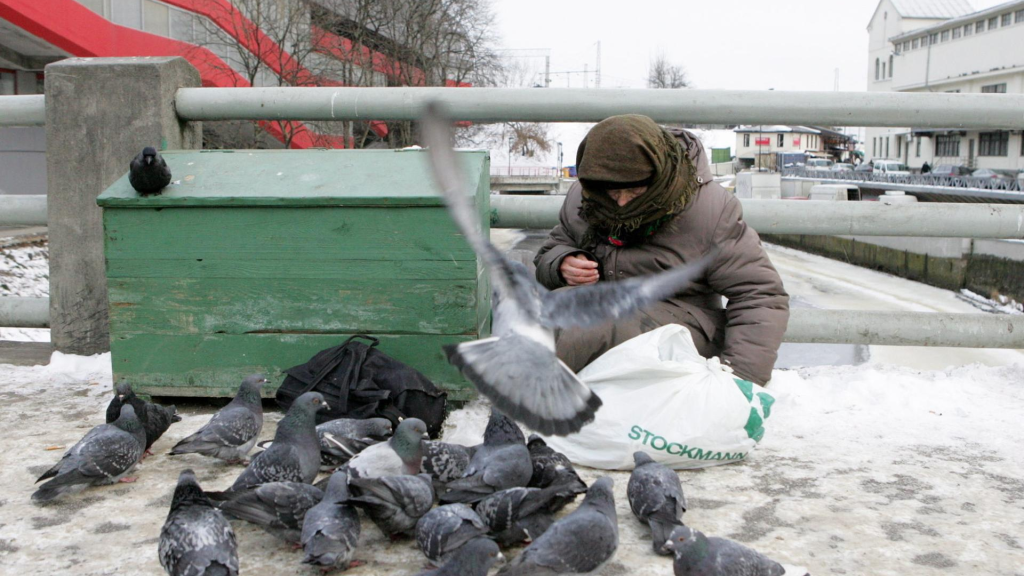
{"points": [[100, 112]]}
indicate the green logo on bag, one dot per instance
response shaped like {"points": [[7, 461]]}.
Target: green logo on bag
{"points": [[755, 422], [692, 452]]}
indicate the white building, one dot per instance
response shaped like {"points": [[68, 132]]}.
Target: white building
{"points": [[752, 141], [946, 46]]}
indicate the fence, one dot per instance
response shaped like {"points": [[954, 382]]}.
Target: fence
{"points": [[167, 107], [905, 181]]}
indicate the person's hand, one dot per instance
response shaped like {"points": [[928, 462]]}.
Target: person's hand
{"points": [[578, 270]]}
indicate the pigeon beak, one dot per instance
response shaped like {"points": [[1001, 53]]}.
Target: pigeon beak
{"points": [[326, 407]]}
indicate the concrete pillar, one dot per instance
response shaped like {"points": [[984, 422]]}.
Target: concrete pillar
{"points": [[100, 112]]}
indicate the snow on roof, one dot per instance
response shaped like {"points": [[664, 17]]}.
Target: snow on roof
{"points": [[1014, 5], [778, 128], [932, 8]]}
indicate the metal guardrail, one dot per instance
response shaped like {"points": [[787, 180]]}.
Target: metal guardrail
{"points": [[22, 210], [996, 111], [22, 110], [903, 180], [20, 312], [893, 328]]}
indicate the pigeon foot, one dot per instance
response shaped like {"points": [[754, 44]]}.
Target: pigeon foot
{"points": [[128, 479]]}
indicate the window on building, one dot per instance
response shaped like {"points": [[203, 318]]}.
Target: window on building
{"points": [[746, 140], [968, 29], [917, 149], [1007, 19], [947, 145], [874, 146], [906, 45], [7, 82], [780, 140], [944, 36], [993, 23], [883, 69], [156, 18], [957, 91], [956, 32], [993, 143], [1018, 16], [994, 89], [933, 38], [979, 26], [887, 146], [916, 43], [877, 67], [890, 66]]}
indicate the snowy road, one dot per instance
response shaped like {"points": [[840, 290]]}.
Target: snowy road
{"points": [[908, 463]]}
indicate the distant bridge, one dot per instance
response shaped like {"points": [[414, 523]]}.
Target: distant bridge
{"points": [[925, 186]]}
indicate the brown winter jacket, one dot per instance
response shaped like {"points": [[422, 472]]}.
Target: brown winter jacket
{"points": [[755, 317]]}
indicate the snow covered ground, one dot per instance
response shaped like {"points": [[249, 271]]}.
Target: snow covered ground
{"points": [[908, 463]]}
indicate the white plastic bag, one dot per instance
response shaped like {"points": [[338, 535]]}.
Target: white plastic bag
{"points": [[661, 396]]}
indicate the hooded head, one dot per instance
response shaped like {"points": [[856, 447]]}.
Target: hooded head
{"points": [[635, 176]]}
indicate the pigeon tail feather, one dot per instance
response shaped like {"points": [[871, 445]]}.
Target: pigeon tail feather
{"points": [[661, 532]]}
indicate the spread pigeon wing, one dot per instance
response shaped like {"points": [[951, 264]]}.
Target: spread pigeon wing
{"points": [[527, 382], [596, 303]]}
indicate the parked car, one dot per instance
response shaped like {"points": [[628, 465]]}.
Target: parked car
{"points": [[950, 170], [891, 167], [819, 165], [842, 167], [991, 173], [865, 167]]}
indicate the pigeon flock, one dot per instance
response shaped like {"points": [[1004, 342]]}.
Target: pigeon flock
{"points": [[505, 492], [460, 504]]}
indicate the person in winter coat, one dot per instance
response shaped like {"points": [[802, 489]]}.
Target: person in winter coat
{"points": [[645, 202]]}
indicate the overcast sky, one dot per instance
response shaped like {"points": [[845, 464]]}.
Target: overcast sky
{"points": [[727, 44]]}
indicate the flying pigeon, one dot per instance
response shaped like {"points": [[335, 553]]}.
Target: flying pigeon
{"points": [[552, 468], [277, 507], [148, 172], [445, 529], [516, 368], [579, 543], [698, 555], [351, 436], [501, 462], [330, 530], [295, 454], [401, 454], [473, 559], [156, 419], [394, 503], [656, 497], [104, 455], [232, 431], [445, 462], [518, 514], [196, 539]]}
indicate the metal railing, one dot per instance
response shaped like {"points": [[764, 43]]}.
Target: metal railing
{"points": [[691, 106], [22, 210], [904, 180]]}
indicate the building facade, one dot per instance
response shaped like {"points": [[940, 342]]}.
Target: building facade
{"points": [[974, 52], [816, 141]]}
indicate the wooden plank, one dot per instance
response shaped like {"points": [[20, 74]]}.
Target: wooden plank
{"points": [[277, 234], [25, 353], [309, 267], [298, 178], [240, 306], [214, 365]]}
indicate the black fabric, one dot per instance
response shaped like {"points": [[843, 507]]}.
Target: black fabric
{"points": [[359, 381]]}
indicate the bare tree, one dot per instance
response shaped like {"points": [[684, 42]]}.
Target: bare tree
{"points": [[354, 43], [524, 138], [663, 74]]}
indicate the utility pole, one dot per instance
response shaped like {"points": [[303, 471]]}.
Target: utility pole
{"points": [[547, 71], [597, 72]]}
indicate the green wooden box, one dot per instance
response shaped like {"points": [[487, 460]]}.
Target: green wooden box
{"points": [[253, 261]]}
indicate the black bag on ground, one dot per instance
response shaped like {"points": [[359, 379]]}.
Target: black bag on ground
{"points": [[360, 381]]}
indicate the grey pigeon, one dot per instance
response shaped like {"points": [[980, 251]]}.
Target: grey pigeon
{"points": [[394, 503], [518, 514], [579, 543], [196, 539], [401, 454], [148, 172], [473, 559], [501, 462], [516, 368], [233, 430], [330, 530], [350, 436], [656, 498], [443, 530], [698, 555], [295, 454], [156, 419], [445, 462], [277, 507], [551, 468], [104, 455]]}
